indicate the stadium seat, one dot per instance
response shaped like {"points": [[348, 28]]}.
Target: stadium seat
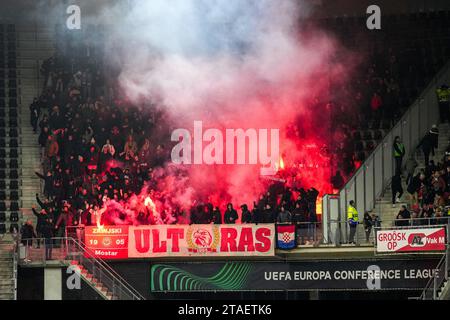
{"points": [[12, 64], [14, 216], [14, 206], [13, 143], [13, 174], [13, 153], [2, 195], [13, 133], [2, 216], [2, 164], [13, 123], [14, 185], [2, 174], [2, 184], [14, 227], [12, 83], [13, 164], [2, 206], [2, 228], [14, 195]]}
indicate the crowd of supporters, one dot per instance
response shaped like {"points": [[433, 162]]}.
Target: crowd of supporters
{"points": [[428, 189], [85, 128], [96, 146]]}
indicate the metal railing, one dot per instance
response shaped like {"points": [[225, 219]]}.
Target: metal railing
{"points": [[67, 250], [413, 222], [439, 278], [15, 267], [371, 179]]}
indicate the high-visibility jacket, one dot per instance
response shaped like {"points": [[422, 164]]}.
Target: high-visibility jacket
{"points": [[443, 94], [400, 148], [352, 213]]}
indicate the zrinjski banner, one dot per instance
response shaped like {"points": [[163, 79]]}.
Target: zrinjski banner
{"points": [[411, 240]]}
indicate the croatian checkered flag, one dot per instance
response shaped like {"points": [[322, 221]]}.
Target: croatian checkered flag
{"points": [[286, 237]]}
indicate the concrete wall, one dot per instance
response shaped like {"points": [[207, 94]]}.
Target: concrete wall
{"points": [[52, 284]]}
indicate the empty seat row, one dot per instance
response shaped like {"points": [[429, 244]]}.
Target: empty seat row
{"points": [[13, 185], [13, 174], [14, 227], [13, 164], [11, 73], [13, 217], [13, 153], [11, 102], [10, 83], [14, 206], [12, 123], [13, 195], [12, 93], [12, 133]]}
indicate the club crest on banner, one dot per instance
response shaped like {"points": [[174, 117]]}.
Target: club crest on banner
{"points": [[202, 240]]}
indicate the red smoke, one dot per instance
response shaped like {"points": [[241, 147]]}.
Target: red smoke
{"points": [[273, 88]]}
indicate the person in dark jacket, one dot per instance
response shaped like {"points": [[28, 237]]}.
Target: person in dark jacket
{"points": [[216, 216], [47, 232], [368, 223], [230, 215], [427, 147], [41, 218], [246, 214], [337, 181], [256, 214], [300, 218], [434, 134], [403, 216], [396, 187], [284, 216], [268, 215], [27, 233], [413, 187]]}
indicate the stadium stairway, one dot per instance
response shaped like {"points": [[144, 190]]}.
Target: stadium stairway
{"points": [[93, 282], [34, 45], [7, 287], [383, 206]]}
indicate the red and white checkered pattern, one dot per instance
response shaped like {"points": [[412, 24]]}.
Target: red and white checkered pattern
{"points": [[287, 237]]}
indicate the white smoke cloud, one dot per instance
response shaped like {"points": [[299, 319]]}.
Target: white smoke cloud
{"points": [[198, 56]]}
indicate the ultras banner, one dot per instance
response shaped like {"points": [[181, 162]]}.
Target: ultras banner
{"points": [[201, 240], [324, 275], [181, 241]]}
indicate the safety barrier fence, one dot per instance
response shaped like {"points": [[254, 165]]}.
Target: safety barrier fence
{"points": [[417, 222], [306, 234], [70, 250], [439, 279], [371, 179]]}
